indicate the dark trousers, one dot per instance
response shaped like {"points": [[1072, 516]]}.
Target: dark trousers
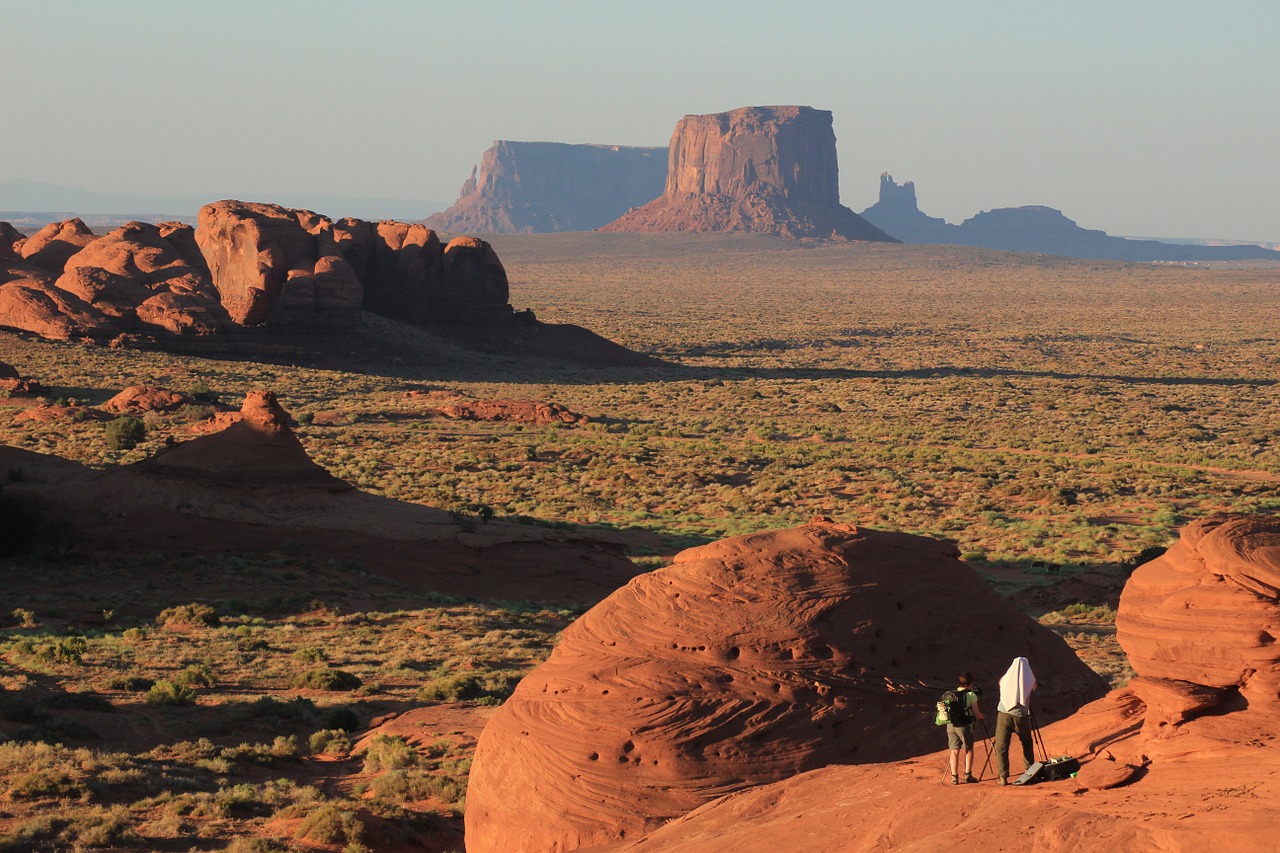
{"points": [[1006, 726]]}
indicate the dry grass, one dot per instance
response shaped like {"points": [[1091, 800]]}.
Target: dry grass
{"points": [[1046, 414]]}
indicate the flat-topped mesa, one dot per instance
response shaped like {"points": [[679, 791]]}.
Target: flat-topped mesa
{"points": [[763, 169], [553, 186], [788, 149]]}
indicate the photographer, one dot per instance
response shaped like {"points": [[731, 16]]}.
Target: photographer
{"points": [[960, 728], [1014, 715]]}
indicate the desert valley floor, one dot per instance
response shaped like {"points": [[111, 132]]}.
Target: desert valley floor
{"points": [[279, 671]]}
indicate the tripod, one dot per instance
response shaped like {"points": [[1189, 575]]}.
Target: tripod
{"points": [[986, 741], [1037, 739]]}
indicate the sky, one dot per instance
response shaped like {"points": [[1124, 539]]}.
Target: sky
{"points": [[1155, 119]]}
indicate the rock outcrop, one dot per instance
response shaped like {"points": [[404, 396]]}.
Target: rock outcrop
{"points": [[1199, 624], [553, 186], [51, 246], [272, 265], [1162, 761], [137, 399], [533, 412], [14, 384], [266, 271], [765, 169], [1033, 228], [748, 661]]}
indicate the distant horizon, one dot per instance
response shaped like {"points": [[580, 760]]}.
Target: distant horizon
{"points": [[1139, 118]]}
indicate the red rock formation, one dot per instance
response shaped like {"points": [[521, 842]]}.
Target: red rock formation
{"points": [[13, 384], [276, 266], [144, 398], [30, 301], [1199, 624], [138, 276], [746, 662], [516, 411], [1157, 771], [765, 169], [11, 242], [51, 246]]}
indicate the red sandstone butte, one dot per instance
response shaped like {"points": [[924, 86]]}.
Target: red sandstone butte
{"points": [[762, 169], [746, 662]]}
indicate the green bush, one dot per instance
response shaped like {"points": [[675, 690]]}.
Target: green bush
{"points": [[331, 824], [188, 614], [329, 742], [325, 679], [125, 433], [130, 683], [389, 752], [165, 692]]}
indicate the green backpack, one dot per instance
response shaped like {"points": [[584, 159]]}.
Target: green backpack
{"points": [[953, 709]]}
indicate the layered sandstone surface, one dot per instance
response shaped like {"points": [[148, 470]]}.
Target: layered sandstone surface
{"points": [[553, 186], [748, 661], [1200, 623], [765, 169], [1183, 760]]}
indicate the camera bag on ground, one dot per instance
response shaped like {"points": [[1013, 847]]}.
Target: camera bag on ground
{"points": [[1049, 771]]}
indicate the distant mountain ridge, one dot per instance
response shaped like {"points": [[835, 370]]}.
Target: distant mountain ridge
{"points": [[1036, 228], [19, 196]]}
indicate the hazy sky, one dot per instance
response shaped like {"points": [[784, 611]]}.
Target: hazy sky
{"points": [[1139, 118]]}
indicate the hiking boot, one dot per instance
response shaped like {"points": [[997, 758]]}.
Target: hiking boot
{"points": [[1002, 781], [955, 780], [968, 779]]}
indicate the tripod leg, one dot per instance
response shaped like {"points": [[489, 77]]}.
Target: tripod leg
{"points": [[1037, 738], [986, 741]]}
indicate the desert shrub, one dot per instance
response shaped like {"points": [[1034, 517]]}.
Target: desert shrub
{"points": [[25, 618], [329, 742], [188, 614], [489, 688], [16, 709], [165, 692], [134, 635], [269, 708], [311, 654], [195, 675], [45, 782], [87, 701], [64, 650], [342, 718], [325, 679], [125, 433], [130, 683], [331, 824], [388, 752], [203, 393], [256, 845]]}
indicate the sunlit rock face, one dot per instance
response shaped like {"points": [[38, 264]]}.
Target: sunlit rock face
{"points": [[771, 170], [747, 661], [1199, 624]]}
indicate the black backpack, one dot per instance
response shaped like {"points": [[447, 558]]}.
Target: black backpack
{"points": [[953, 709]]}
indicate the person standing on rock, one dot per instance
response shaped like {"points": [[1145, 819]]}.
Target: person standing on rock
{"points": [[1014, 716], [961, 736]]}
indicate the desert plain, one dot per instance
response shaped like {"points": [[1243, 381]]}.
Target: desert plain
{"points": [[277, 685]]}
